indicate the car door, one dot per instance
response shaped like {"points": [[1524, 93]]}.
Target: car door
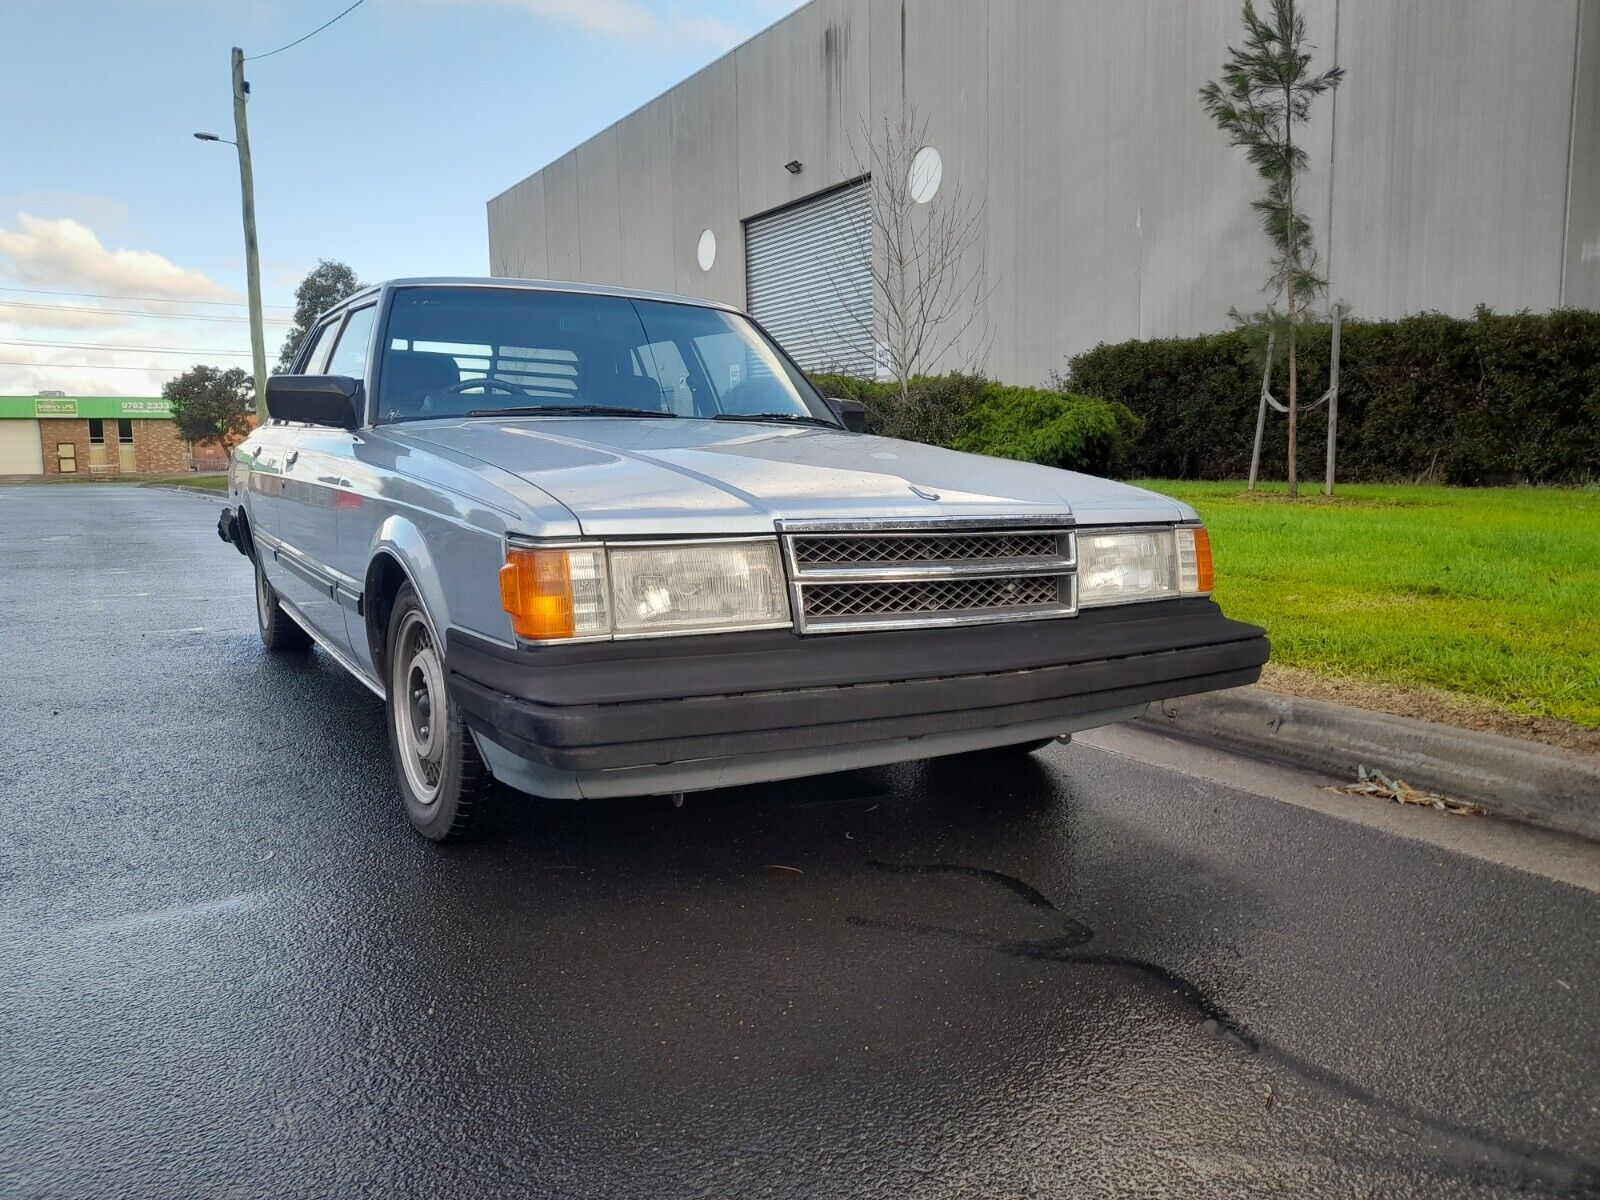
{"points": [[266, 462], [317, 469]]}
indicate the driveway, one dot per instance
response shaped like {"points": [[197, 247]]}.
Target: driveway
{"points": [[1127, 968]]}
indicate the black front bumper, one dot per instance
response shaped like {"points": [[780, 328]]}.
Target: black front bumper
{"points": [[605, 705]]}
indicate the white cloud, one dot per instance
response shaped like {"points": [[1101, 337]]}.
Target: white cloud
{"points": [[127, 364], [631, 19], [105, 347], [615, 18], [63, 253], [77, 381]]}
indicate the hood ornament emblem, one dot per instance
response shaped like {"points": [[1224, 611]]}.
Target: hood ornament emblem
{"points": [[924, 493]]}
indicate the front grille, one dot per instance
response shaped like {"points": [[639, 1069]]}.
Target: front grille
{"points": [[899, 575], [930, 596], [819, 550]]}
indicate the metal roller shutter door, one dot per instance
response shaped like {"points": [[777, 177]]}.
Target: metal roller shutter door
{"points": [[20, 451], [808, 279]]}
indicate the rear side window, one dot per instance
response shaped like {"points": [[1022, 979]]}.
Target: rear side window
{"points": [[350, 354]]}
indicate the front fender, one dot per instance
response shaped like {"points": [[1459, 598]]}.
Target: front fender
{"points": [[455, 569], [400, 541]]}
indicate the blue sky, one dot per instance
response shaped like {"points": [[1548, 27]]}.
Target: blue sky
{"points": [[377, 142]]}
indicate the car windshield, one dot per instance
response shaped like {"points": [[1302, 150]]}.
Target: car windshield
{"points": [[478, 351]]}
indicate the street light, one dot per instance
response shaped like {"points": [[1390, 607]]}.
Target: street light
{"points": [[247, 200]]}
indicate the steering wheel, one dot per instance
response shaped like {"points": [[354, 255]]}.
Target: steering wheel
{"points": [[451, 400], [487, 385]]}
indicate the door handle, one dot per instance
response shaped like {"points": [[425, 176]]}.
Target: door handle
{"points": [[294, 457]]}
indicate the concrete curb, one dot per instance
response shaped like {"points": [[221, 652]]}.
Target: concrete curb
{"points": [[1534, 782], [206, 493]]}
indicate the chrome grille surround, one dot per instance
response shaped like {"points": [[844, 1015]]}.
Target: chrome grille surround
{"points": [[821, 550], [849, 576]]}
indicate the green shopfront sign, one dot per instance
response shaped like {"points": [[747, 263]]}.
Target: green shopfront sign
{"points": [[102, 407]]}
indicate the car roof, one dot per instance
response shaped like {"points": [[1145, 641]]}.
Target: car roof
{"points": [[531, 285]]}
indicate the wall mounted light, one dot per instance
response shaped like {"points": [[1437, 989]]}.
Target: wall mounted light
{"points": [[792, 166]]}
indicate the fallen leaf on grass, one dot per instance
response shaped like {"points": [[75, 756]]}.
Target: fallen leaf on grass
{"points": [[1376, 783]]}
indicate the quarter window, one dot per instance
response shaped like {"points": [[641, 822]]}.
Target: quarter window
{"points": [[350, 353], [317, 343]]}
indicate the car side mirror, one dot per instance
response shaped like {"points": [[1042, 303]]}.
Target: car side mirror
{"points": [[851, 413], [335, 400]]}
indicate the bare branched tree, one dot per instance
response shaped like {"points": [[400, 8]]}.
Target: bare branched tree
{"points": [[929, 278]]}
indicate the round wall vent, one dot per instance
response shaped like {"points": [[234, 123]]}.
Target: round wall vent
{"points": [[927, 169]]}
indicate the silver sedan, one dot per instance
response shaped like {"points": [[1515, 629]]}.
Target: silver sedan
{"points": [[592, 542]]}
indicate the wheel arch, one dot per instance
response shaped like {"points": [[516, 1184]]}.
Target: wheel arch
{"points": [[399, 557]]}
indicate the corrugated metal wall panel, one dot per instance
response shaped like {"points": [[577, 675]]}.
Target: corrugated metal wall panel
{"points": [[1460, 167], [808, 279]]}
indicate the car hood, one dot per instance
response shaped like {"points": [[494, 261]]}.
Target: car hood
{"points": [[692, 476]]}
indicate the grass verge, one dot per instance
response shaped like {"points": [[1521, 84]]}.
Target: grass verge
{"points": [[1484, 593], [214, 483]]}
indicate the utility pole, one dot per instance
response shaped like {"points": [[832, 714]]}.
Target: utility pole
{"points": [[252, 258]]}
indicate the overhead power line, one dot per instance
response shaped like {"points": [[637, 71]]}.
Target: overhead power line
{"points": [[134, 312], [81, 366], [312, 34], [123, 349], [142, 299]]}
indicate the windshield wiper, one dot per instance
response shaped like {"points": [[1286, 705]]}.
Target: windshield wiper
{"points": [[791, 418], [568, 410]]}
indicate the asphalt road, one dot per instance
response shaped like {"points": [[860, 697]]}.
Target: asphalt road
{"points": [[229, 969]]}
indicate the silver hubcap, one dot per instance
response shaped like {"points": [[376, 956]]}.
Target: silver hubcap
{"points": [[263, 597], [421, 709]]}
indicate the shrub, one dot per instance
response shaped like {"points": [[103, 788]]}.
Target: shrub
{"points": [[1491, 398], [1080, 433], [934, 410], [969, 412]]}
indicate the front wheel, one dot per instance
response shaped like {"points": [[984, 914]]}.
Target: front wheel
{"points": [[443, 781], [279, 631]]}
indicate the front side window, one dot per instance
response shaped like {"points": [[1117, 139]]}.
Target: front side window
{"points": [[454, 351]]}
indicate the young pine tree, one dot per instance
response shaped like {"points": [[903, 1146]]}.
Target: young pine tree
{"points": [[1266, 91]]}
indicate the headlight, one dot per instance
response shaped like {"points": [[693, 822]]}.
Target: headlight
{"points": [[1118, 566], [713, 586], [644, 589]]}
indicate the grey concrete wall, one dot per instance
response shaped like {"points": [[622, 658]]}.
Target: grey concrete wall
{"points": [[1458, 164], [1581, 280]]}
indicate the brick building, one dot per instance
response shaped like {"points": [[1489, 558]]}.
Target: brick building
{"points": [[96, 437]]}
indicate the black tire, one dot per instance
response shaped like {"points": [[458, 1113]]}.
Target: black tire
{"points": [[443, 782], [280, 633]]}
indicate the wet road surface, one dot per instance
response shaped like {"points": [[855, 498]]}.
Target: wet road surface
{"points": [[229, 969]]}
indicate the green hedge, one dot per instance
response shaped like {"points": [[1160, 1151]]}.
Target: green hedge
{"points": [[969, 412], [1081, 433], [1486, 399]]}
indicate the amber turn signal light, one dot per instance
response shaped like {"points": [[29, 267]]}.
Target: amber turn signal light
{"points": [[1202, 559], [536, 589]]}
